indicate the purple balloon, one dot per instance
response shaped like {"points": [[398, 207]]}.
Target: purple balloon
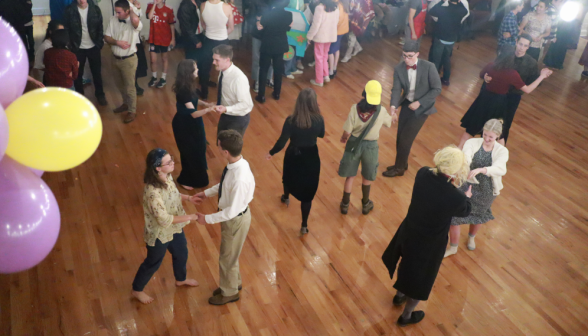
{"points": [[3, 132], [38, 172], [29, 218], [14, 65]]}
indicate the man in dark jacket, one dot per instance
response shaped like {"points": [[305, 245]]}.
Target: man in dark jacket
{"points": [[416, 86], [83, 21], [19, 13], [445, 34], [189, 20]]}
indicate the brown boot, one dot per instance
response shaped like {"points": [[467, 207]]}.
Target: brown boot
{"points": [[121, 109], [219, 300], [219, 292], [130, 117], [394, 172]]}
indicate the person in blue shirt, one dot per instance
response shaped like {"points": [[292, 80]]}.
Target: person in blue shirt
{"points": [[57, 8]]}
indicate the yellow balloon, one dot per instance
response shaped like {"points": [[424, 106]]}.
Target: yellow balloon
{"points": [[52, 129]]}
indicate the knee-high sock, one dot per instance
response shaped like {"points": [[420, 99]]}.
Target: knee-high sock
{"points": [[365, 190]]}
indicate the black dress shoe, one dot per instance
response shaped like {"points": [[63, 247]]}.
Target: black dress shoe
{"points": [[102, 100], [260, 99], [390, 167], [399, 300], [415, 317], [276, 96], [394, 172]]}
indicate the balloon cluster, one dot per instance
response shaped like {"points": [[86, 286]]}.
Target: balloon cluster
{"points": [[47, 129]]}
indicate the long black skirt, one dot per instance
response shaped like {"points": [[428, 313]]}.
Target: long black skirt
{"points": [[302, 170], [191, 141], [487, 106]]}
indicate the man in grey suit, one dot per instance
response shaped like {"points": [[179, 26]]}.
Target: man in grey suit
{"points": [[416, 85]]}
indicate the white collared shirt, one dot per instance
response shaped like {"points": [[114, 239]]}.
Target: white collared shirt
{"points": [[123, 32], [235, 92], [237, 193], [412, 78]]}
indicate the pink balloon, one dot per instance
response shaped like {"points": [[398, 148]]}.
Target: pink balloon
{"points": [[3, 132], [29, 218], [14, 65]]}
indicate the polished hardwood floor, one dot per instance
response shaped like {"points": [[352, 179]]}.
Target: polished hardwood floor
{"points": [[528, 275]]}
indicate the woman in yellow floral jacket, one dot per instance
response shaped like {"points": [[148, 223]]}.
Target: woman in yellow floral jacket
{"points": [[165, 219]]}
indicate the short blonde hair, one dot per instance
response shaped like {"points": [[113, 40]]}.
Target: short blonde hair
{"points": [[494, 125], [452, 162]]}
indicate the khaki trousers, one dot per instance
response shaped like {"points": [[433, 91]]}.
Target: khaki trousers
{"points": [[233, 233], [125, 80]]}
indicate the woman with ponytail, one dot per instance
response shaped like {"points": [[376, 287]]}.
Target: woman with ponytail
{"points": [[487, 160]]}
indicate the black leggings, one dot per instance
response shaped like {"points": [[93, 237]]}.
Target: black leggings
{"points": [[304, 207]]}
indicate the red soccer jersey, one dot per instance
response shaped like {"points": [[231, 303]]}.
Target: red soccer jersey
{"points": [[159, 25]]}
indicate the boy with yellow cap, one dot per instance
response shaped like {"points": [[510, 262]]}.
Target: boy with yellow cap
{"points": [[360, 134]]}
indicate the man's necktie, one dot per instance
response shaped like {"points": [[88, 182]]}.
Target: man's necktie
{"points": [[122, 21], [413, 67], [220, 186], [220, 91]]}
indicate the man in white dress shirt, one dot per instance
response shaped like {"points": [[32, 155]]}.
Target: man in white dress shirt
{"points": [[416, 86], [235, 192], [122, 36], [234, 99]]}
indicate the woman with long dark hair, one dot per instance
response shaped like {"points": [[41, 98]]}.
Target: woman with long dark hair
{"points": [[189, 128], [165, 219], [302, 164], [360, 134], [491, 103]]}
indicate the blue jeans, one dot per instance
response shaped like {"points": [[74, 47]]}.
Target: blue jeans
{"points": [[256, 54], [290, 66]]}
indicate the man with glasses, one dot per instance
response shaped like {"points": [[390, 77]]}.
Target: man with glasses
{"points": [[416, 85]]}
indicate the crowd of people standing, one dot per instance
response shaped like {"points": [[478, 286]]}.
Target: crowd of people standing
{"points": [[466, 179]]}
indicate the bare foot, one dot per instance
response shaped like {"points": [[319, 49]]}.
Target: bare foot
{"points": [[144, 298], [187, 282], [186, 187]]}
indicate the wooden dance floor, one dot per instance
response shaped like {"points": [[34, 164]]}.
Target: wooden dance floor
{"points": [[528, 275]]}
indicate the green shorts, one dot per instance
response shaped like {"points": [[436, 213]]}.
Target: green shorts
{"points": [[366, 153]]}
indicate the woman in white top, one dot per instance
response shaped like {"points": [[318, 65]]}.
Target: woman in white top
{"points": [[323, 32], [487, 159], [39, 65], [218, 23]]}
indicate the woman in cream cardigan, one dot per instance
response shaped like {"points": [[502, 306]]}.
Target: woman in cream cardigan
{"points": [[323, 32], [487, 159]]}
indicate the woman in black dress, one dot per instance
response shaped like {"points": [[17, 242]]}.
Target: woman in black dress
{"points": [[302, 164], [491, 103], [421, 238], [189, 128]]}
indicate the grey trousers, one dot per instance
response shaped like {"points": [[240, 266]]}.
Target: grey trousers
{"points": [[256, 54], [236, 123], [409, 126], [408, 37]]}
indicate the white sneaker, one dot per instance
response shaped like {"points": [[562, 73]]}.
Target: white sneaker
{"points": [[313, 82], [327, 79], [311, 64], [256, 87], [290, 76], [471, 243], [450, 251], [356, 51], [346, 59], [401, 42], [297, 72], [300, 66]]}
